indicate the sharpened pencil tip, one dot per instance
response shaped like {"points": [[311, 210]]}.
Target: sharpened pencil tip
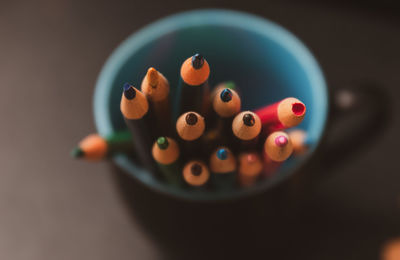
{"points": [[251, 158], [152, 75], [226, 95], [129, 91], [162, 143], [77, 152], [191, 119], [196, 169], [281, 141], [197, 61], [248, 119], [222, 154], [298, 109]]}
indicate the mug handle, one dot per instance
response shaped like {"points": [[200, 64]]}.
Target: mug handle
{"points": [[359, 114]]}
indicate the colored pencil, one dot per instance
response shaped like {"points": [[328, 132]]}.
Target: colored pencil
{"points": [[196, 173], [190, 127], [217, 89], [250, 168], [226, 105], [299, 141], [277, 149], [246, 127], [391, 250], [223, 168], [156, 88], [135, 109], [193, 90], [95, 147], [166, 153], [286, 113]]}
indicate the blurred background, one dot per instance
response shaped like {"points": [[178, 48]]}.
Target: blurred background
{"points": [[53, 207]]}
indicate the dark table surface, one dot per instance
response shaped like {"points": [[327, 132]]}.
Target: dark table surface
{"points": [[51, 52]]}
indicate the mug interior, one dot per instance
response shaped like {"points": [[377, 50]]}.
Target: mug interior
{"points": [[266, 62]]}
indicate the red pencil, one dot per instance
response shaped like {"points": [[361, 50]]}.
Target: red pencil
{"points": [[286, 113]]}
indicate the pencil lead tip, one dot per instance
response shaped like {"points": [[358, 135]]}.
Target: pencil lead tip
{"points": [[222, 154], [248, 119], [152, 75], [281, 141], [298, 109], [77, 152], [226, 95], [162, 143], [197, 61], [251, 158], [129, 91], [191, 119], [196, 169]]}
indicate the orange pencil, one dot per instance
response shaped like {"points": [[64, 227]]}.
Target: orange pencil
{"points": [[135, 109], [250, 168], [277, 149], [391, 250], [286, 113], [95, 147], [193, 91], [195, 173], [156, 88], [166, 153], [246, 126], [223, 168], [190, 127], [226, 105]]}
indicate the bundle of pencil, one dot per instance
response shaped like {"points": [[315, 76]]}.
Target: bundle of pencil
{"points": [[214, 145]]}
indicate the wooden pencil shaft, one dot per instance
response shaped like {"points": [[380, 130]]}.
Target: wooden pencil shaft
{"points": [[223, 181], [270, 166], [119, 142], [172, 172], [192, 149], [162, 116], [142, 139], [246, 145], [194, 98]]}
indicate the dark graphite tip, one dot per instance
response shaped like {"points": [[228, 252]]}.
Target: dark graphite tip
{"points": [[226, 95], [162, 143], [77, 153], [129, 91], [197, 61], [191, 119], [222, 154], [196, 169], [248, 119]]}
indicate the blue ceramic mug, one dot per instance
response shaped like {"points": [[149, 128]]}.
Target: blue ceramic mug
{"points": [[267, 63]]}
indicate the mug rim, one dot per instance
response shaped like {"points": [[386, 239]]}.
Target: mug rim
{"points": [[174, 22]]}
